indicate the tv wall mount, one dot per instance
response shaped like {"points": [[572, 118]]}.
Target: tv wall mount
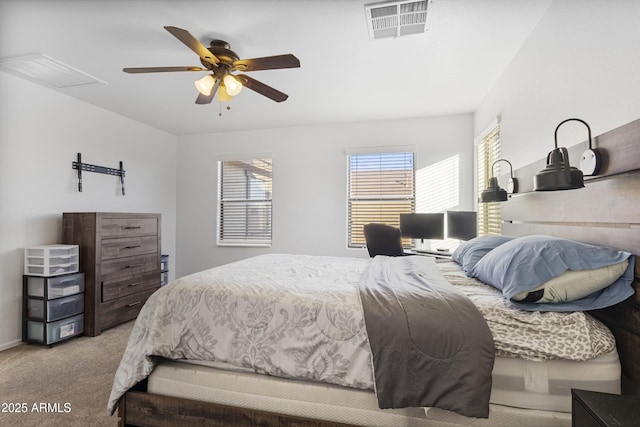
{"points": [[79, 166]]}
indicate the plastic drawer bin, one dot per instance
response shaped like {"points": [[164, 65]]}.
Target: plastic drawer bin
{"points": [[56, 309], [49, 333], [51, 260], [56, 287]]}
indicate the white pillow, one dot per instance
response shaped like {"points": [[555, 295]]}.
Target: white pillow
{"points": [[573, 285]]}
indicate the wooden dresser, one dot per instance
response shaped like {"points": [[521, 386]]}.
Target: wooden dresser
{"points": [[120, 257]]}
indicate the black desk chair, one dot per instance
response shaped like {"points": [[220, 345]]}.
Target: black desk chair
{"points": [[383, 239]]}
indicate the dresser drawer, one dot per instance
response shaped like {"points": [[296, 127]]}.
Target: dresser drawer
{"points": [[122, 268], [122, 309], [122, 288], [128, 246], [124, 227]]}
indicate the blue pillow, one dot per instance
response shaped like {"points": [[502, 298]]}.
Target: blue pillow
{"points": [[471, 251], [525, 263]]}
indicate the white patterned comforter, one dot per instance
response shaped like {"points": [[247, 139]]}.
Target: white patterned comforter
{"points": [[299, 316]]}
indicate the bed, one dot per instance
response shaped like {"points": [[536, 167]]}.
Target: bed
{"points": [[526, 388]]}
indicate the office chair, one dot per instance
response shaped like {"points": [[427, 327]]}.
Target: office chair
{"points": [[383, 239]]}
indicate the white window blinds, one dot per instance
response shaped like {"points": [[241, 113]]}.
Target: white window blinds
{"points": [[489, 215], [244, 202], [381, 187]]}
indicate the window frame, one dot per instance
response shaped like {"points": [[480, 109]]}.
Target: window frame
{"points": [[488, 150], [354, 233], [247, 202]]}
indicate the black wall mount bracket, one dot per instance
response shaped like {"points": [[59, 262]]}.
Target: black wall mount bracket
{"points": [[79, 166]]}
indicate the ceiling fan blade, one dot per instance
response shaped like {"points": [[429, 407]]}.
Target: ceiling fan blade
{"points": [[206, 99], [267, 63], [262, 88], [161, 69], [192, 43]]}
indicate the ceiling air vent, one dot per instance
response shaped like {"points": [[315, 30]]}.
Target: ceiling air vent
{"points": [[395, 19], [42, 69]]}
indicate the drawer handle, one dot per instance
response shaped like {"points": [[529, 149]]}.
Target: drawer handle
{"points": [[135, 284], [133, 266], [133, 304], [130, 227], [132, 247]]}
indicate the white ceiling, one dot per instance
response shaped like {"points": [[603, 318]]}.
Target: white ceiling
{"points": [[344, 76]]}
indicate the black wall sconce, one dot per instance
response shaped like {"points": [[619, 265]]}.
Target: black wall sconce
{"points": [[559, 174], [493, 192], [591, 160]]}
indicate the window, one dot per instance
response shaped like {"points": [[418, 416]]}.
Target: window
{"points": [[244, 202], [381, 187], [489, 215]]}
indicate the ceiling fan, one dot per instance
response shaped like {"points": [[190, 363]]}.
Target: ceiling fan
{"points": [[220, 61]]}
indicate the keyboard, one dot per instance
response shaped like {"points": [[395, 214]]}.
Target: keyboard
{"points": [[430, 252]]}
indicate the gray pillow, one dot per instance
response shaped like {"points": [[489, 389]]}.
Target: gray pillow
{"points": [[525, 263], [472, 251]]}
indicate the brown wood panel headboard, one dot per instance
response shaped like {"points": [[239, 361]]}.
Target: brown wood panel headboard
{"points": [[606, 213]]}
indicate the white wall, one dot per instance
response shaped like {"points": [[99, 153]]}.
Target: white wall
{"points": [[41, 132], [580, 61], [309, 182]]}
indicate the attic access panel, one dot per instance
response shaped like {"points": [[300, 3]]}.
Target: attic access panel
{"points": [[42, 69], [396, 19]]}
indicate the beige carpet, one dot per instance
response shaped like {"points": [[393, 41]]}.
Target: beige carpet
{"points": [[66, 385]]}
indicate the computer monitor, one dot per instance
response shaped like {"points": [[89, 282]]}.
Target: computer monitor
{"points": [[422, 225], [462, 225]]}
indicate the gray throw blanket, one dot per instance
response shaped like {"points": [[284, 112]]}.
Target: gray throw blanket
{"points": [[430, 345]]}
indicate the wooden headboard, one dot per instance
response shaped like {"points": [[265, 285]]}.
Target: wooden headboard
{"points": [[606, 213]]}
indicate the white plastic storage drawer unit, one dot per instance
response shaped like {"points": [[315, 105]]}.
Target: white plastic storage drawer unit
{"points": [[49, 333], [55, 309], [51, 260], [54, 287]]}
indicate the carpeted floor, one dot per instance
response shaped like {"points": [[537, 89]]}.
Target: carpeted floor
{"points": [[66, 385]]}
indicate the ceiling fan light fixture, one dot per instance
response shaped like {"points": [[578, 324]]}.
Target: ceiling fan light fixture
{"points": [[232, 85], [205, 84], [223, 95]]}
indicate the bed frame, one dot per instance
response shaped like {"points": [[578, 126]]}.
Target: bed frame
{"points": [[606, 212]]}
